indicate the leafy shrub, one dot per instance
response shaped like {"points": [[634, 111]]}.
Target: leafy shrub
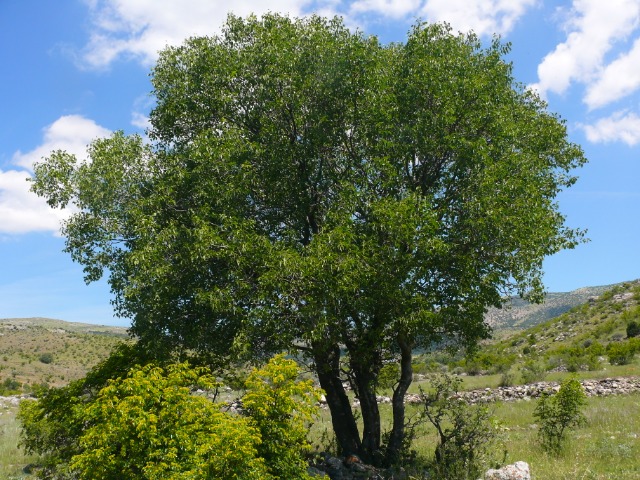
{"points": [[46, 358], [150, 426], [559, 412], [388, 376], [281, 407], [633, 329], [533, 372], [146, 423], [621, 353], [466, 433], [490, 362], [507, 379], [10, 386]]}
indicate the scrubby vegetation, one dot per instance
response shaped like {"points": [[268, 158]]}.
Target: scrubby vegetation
{"points": [[607, 427], [39, 352], [149, 424]]}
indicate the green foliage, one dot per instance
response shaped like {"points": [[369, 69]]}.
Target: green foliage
{"points": [[466, 433], [151, 426], [390, 373], [622, 353], [559, 412], [489, 362], [46, 358], [10, 386], [147, 423], [308, 187], [633, 329], [51, 427], [280, 407]]}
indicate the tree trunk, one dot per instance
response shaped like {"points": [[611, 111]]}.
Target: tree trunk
{"points": [[327, 362], [396, 438], [365, 383]]}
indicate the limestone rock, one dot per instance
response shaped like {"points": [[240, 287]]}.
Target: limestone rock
{"points": [[517, 471]]}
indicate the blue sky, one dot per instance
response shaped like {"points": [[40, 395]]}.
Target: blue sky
{"points": [[78, 69]]}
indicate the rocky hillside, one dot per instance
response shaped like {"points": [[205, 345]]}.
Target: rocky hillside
{"points": [[520, 314], [36, 351]]}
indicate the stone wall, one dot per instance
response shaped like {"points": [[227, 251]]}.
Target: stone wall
{"points": [[601, 387]]}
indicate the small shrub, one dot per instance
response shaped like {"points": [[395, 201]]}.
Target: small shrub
{"points": [[621, 353], [633, 329], [46, 358], [150, 426], [533, 372], [10, 386], [281, 407], [616, 337], [559, 412], [466, 433], [507, 379]]}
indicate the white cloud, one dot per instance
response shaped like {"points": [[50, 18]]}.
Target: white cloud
{"points": [[138, 29], [140, 120], [620, 78], [22, 211], [71, 133], [484, 17], [141, 28], [621, 126], [593, 27]]}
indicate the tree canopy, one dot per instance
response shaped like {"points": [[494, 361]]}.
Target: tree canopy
{"points": [[307, 188]]}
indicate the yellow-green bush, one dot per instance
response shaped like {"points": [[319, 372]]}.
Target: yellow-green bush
{"points": [[150, 425]]}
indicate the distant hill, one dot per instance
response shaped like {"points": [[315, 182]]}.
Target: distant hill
{"points": [[574, 340], [519, 314], [52, 352]]}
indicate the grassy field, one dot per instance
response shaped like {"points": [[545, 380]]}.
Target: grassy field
{"points": [[12, 458], [607, 448]]}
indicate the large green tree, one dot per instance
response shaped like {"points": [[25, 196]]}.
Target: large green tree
{"points": [[307, 188]]}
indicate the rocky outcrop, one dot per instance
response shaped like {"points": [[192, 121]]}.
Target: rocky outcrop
{"points": [[517, 471]]}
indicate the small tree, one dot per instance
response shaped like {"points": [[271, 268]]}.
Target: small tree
{"points": [[559, 412], [466, 433]]}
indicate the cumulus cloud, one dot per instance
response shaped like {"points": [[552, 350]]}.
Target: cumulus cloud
{"points": [[621, 126], [593, 28], [71, 133], [140, 28], [618, 79], [484, 17], [22, 211]]}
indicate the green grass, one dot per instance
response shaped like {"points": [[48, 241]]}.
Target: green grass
{"points": [[607, 448], [12, 457]]}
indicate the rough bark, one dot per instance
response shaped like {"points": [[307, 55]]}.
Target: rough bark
{"points": [[327, 361], [371, 434], [396, 438]]}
